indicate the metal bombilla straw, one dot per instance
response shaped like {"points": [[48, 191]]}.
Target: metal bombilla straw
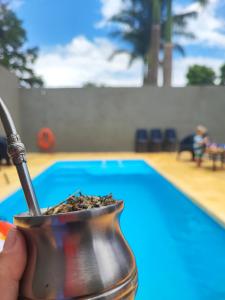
{"points": [[17, 152]]}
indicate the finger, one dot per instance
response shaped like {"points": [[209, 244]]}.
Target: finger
{"points": [[12, 264]]}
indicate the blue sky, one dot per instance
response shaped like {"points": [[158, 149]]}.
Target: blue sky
{"points": [[74, 44], [54, 22]]}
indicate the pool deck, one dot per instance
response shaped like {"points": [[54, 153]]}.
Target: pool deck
{"points": [[204, 186]]}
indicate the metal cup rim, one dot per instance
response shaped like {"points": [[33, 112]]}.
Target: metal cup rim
{"points": [[75, 216]]}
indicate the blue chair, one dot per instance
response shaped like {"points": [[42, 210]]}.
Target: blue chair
{"points": [[170, 139], [156, 140], [3, 151], [141, 140]]}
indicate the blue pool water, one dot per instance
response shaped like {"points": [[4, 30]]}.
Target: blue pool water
{"points": [[180, 250]]}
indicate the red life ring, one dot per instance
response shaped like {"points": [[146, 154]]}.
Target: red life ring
{"points": [[46, 139]]}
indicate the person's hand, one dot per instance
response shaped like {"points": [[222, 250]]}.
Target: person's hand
{"points": [[12, 264]]}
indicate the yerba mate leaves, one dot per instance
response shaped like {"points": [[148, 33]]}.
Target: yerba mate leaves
{"points": [[80, 202]]}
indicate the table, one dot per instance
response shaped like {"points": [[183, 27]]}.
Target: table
{"points": [[216, 154]]}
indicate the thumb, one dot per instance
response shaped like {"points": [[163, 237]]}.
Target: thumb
{"points": [[12, 265]]}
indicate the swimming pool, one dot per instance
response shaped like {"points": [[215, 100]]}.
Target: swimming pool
{"points": [[180, 250]]}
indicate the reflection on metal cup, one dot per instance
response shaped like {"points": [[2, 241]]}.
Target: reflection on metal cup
{"points": [[77, 255]]}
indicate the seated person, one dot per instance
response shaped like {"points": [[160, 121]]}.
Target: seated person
{"points": [[200, 142]]}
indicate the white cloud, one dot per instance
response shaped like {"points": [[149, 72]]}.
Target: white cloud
{"points": [[207, 26], [108, 9], [83, 61], [181, 66], [181, 8]]}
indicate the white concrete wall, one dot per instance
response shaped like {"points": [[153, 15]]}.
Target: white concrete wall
{"points": [[105, 119], [9, 92]]}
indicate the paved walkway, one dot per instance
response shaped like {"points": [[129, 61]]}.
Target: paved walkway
{"points": [[204, 186]]}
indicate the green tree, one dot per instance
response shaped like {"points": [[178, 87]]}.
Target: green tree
{"points": [[200, 75], [13, 55], [222, 75]]}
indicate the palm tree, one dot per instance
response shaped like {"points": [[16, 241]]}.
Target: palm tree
{"points": [[152, 10], [167, 62], [155, 43], [170, 22], [133, 26]]}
